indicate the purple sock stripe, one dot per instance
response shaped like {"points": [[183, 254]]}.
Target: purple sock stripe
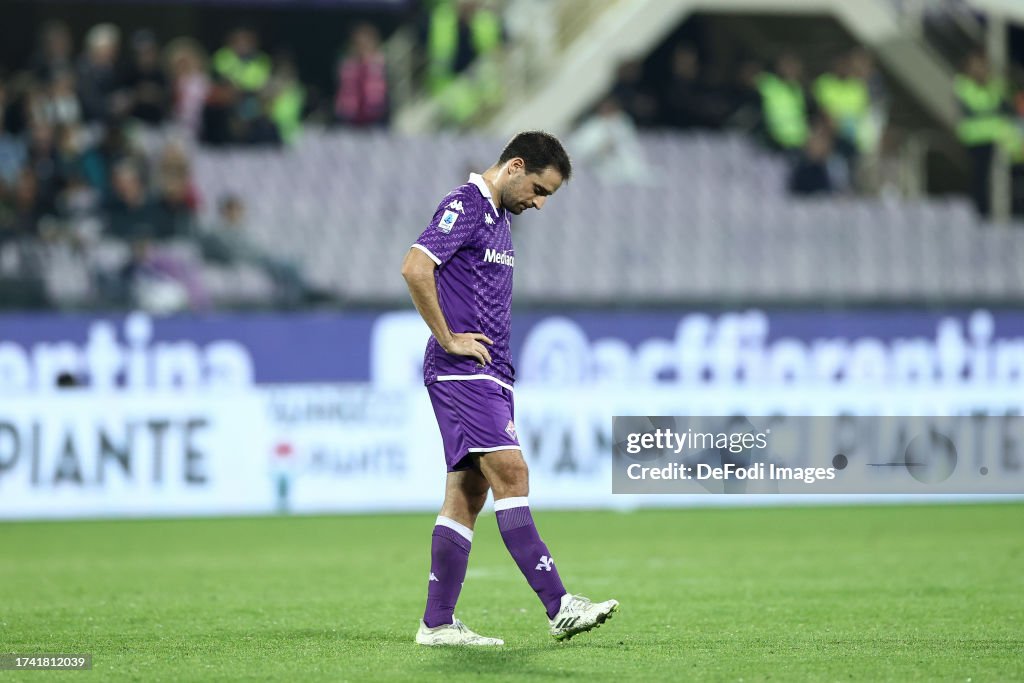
{"points": [[514, 518], [453, 536]]}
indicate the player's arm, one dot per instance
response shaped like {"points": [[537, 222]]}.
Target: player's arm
{"points": [[418, 270]]}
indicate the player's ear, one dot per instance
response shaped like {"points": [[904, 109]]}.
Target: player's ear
{"points": [[515, 164]]}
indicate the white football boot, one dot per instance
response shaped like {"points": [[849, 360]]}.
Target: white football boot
{"points": [[578, 614], [455, 633]]}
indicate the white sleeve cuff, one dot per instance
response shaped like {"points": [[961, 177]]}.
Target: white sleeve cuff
{"points": [[427, 252]]}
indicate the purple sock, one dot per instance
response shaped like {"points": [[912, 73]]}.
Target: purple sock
{"points": [[449, 556], [523, 542]]}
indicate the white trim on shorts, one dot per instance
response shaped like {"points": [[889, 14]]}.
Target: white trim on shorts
{"points": [[426, 251], [494, 448], [459, 378]]}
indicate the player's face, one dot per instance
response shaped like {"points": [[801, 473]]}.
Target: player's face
{"points": [[528, 190]]}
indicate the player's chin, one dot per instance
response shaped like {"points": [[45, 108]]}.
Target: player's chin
{"points": [[516, 210]]}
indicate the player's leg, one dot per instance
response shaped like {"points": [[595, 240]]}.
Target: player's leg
{"points": [[451, 541], [452, 537], [508, 475], [568, 614]]}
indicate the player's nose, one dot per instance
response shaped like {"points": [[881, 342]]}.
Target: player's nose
{"points": [[538, 202]]}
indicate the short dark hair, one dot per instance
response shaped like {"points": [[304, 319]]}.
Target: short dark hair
{"points": [[538, 150]]}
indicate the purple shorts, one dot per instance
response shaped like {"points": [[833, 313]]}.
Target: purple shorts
{"points": [[475, 416]]}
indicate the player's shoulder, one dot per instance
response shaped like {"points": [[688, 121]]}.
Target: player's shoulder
{"points": [[465, 200]]}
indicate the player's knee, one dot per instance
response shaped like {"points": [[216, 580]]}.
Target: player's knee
{"points": [[475, 503], [513, 480]]}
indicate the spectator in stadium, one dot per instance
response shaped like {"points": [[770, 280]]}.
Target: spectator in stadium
{"points": [[458, 32], [241, 63], [75, 158], [99, 77], [20, 219], [814, 171], [26, 105], [285, 99], [225, 243], [190, 83], [59, 103], [42, 160], [236, 110], [633, 95], [743, 97], [785, 115], [6, 208], [19, 92], [533, 27], [114, 147], [608, 142], [985, 123], [362, 96], [3, 105], [55, 52], [145, 81], [159, 281], [687, 101], [175, 202], [12, 148], [77, 206], [132, 213], [177, 194], [260, 129], [845, 97], [862, 64], [461, 33]]}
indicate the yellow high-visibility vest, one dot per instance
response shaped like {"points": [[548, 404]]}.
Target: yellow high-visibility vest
{"points": [[785, 110]]}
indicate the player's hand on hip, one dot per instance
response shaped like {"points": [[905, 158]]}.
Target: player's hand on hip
{"points": [[470, 344]]}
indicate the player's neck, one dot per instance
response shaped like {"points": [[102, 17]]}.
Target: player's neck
{"points": [[490, 177]]}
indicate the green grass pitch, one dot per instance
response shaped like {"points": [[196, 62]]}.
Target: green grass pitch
{"points": [[786, 594]]}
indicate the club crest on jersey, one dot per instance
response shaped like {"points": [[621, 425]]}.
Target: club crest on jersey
{"points": [[488, 220], [510, 429], [447, 221], [457, 205]]}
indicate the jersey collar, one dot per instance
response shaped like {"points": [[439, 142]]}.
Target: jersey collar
{"points": [[478, 180]]}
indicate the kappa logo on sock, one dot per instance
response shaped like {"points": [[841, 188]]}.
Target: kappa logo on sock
{"points": [[510, 429], [433, 578], [546, 563]]}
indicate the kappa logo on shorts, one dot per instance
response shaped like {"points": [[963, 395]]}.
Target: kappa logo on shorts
{"points": [[447, 221], [510, 429]]}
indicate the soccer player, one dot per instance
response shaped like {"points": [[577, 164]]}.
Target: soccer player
{"points": [[459, 274]]}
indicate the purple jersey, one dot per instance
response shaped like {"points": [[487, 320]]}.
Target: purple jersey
{"points": [[471, 243]]}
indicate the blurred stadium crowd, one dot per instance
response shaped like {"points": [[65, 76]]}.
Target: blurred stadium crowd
{"points": [[100, 133], [829, 127], [96, 149]]}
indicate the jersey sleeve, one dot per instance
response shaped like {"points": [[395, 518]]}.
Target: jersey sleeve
{"points": [[454, 221]]}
